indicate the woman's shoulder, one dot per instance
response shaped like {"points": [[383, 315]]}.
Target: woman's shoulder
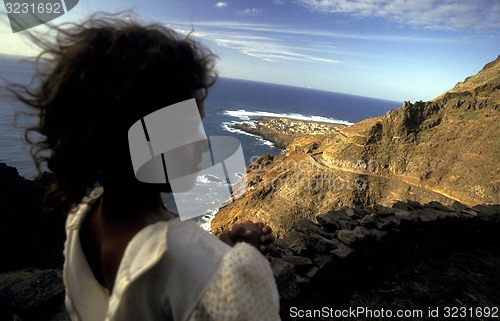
{"points": [[78, 213], [187, 239]]}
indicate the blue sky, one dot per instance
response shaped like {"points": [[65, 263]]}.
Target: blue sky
{"points": [[390, 49]]}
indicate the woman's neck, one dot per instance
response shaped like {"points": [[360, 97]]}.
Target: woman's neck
{"points": [[117, 217]]}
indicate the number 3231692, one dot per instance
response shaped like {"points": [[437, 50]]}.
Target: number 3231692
{"points": [[33, 8], [479, 312]]}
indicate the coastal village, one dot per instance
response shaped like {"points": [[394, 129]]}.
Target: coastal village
{"points": [[282, 131], [293, 126]]}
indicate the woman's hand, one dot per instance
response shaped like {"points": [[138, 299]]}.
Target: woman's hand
{"points": [[257, 234]]}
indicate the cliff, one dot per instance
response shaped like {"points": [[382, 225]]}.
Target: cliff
{"points": [[26, 228], [476, 92], [443, 150], [31, 245]]}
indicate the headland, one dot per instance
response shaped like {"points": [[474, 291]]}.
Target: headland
{"points": [[282, 131]]}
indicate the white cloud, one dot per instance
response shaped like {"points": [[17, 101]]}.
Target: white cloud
{"points": [[268, 48], [278, 1], [271, 50], [275, 42], [289, 30], [221, 5], [434, 14], [249, 11], [15, 43]]}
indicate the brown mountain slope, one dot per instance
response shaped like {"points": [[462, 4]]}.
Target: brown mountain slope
{"points": [[482, 87], [446, 149]]}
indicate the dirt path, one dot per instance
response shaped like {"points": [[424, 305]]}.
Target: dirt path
{"points": [[408, 180]]}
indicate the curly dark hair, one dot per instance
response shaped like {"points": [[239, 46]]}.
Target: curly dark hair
{"points": [[104, 75]]}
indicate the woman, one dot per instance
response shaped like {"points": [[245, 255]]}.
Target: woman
{"points": [[126, 256]]}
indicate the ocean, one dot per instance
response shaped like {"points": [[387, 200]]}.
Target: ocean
{"points": [[229, 101]]}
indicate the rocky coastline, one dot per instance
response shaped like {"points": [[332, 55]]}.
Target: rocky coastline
{"points": [[374, 256], [282, 131], [441, 150]]}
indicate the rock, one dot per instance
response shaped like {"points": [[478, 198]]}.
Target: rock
{"points": [[351, 213], [301, 281], [322, 260], [281, 248], [438, 206], [347, 237], [297, 260], [414, 204], [385, 212], [369, 221], [457, 206], [382, 211], [308, 227], [486, 213], [319, 244], [342, 252], [400, 205], [379, 207], [361, 230], [312, 272], [438, 213], [299, 246], [378, 234], [360, 212], [388, 222], [405, 217], [328, 222], [285, 278], [292, 236], [402, 214], [428, 216], [348, 225], [340, 215], [33, 293], [469, 212], [415, 216], [487, 216]]}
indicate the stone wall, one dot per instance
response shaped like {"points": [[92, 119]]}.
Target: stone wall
{"points": [[325, 262]]}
